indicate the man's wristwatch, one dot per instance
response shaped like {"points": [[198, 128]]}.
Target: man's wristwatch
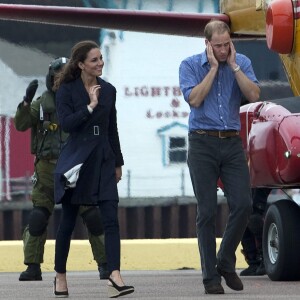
{"points": [[236, 69]]}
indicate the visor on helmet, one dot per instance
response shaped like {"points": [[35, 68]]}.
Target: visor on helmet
{"points": [[54, 67]]}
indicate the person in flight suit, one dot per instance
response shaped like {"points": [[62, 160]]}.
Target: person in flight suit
{"points": [[46, 142], [252, 238]]}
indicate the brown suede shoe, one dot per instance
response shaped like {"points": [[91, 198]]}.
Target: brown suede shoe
{"points": [[232, 280], [215, 288]]}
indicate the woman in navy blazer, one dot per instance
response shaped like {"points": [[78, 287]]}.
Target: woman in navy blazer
{"points": [[90, 163]]}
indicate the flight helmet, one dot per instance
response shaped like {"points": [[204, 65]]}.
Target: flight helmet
{"points": [[54, 66]]}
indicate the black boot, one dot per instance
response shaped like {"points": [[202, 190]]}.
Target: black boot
{"points": [[250, 271], [252, 261], [32, 273], [103, 271], [261, 268]]}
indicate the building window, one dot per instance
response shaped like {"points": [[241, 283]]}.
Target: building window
{"points": [[174, 143], [177, 150]]}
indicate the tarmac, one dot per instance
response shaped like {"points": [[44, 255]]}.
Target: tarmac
{"points": [[158, 269], [177, 284]]}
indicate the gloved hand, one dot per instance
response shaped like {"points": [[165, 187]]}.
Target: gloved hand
{"points": [[30, 91]]}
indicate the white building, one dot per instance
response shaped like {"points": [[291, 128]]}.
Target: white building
{"points": [[152, 114]]}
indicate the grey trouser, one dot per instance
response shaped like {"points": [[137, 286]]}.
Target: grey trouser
{"points": [[211, 158]]}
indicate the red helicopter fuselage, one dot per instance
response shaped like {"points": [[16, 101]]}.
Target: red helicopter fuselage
{"points": [[271, 139]]}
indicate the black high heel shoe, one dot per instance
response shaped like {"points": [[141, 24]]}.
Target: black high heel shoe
{"points": [[115, 291], [63, 294]]}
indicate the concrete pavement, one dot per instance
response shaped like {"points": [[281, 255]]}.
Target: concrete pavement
{"points": [[179, 284], [159, 269]]}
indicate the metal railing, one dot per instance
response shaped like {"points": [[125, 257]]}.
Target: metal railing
{"points": [[19, 189]]}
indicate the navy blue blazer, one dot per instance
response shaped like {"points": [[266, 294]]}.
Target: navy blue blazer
{"points": [[93, 142]]}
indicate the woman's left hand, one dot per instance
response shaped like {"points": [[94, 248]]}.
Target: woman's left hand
{"points": [[118, 173]]}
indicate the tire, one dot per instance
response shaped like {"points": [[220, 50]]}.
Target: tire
{"points": [[281, 241]]}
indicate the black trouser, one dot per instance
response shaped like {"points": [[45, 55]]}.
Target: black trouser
{"points": [[211, 158], [252, 238], [109, 211]]}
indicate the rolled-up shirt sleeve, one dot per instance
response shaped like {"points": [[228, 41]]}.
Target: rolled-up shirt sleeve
{"points": [[188, 78]]}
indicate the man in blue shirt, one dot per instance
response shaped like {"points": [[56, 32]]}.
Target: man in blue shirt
{"points": [[213, 83]]}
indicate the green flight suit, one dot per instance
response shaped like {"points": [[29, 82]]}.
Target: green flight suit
{"points": [[46, 142]]}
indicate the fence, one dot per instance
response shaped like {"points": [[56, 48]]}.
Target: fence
{"points": [[142, 219]]}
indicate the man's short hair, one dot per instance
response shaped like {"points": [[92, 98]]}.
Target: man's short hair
{"points": [[215, 26]]}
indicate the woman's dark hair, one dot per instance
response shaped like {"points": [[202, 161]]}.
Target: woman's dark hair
{"points": [[71, 71]]}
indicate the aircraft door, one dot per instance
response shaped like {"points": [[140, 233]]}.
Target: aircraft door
{"points": [[288, 149]]}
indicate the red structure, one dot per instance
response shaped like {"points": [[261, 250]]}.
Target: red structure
{"points": [[271, 139], [16, 161]]}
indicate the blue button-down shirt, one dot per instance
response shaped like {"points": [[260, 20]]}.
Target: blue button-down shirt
{"points": [[220, 108]]}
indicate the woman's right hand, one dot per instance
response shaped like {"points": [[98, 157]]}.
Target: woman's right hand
{"points": [[94, 93]]}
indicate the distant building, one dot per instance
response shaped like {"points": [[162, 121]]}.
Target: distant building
{"points": [[152, 114]]}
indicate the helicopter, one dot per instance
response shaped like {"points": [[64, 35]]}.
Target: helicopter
{"points": [[269, 131]]}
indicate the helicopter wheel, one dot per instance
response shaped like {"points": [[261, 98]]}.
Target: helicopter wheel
{"points": [[281, 241]]}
